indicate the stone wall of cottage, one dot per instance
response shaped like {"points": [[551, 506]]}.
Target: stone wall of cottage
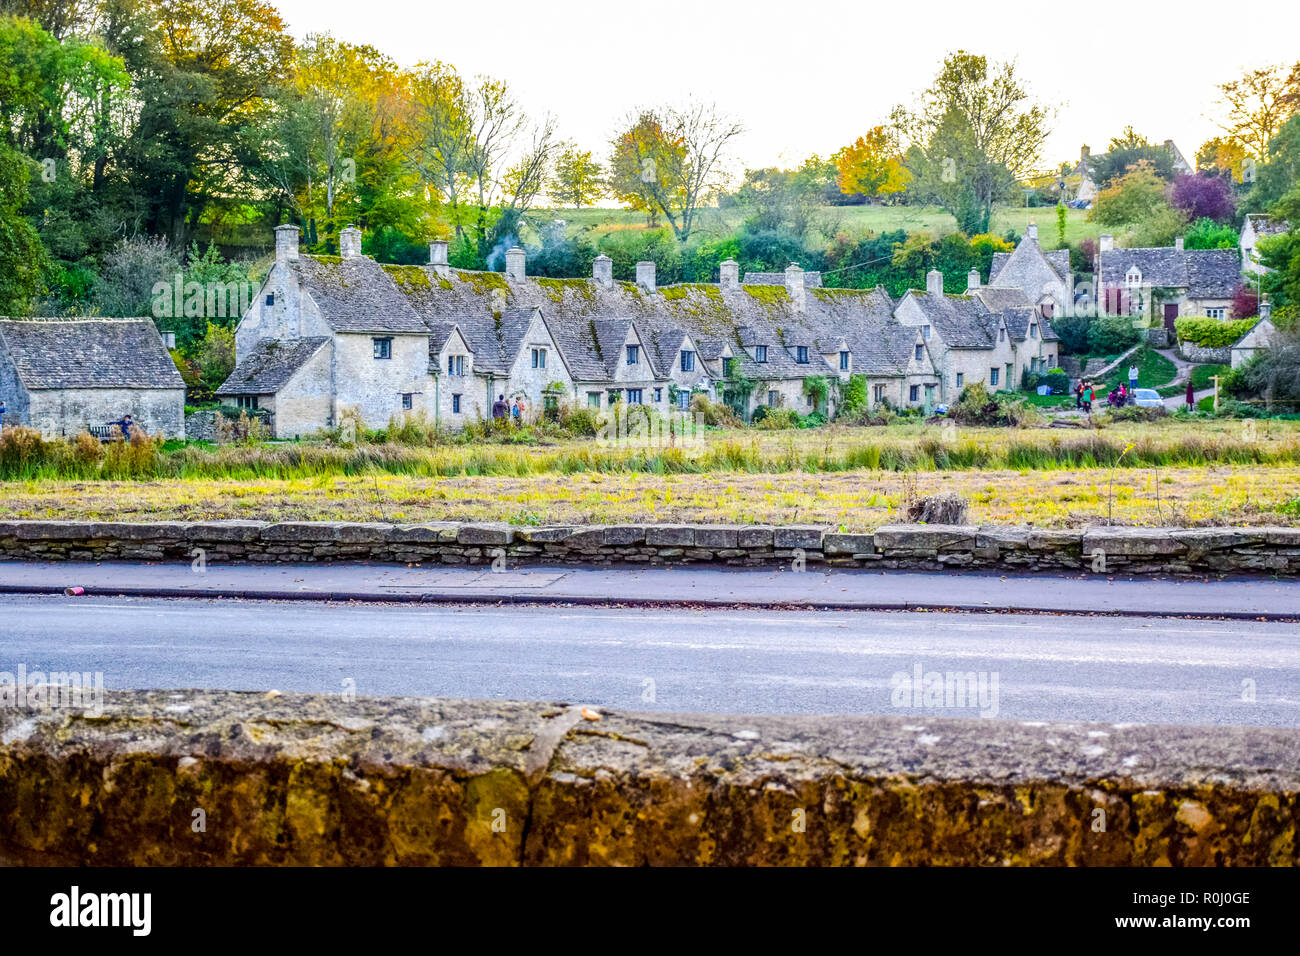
{"points": [[375, 386], [67, 411], [13, 392], [305, 404]]}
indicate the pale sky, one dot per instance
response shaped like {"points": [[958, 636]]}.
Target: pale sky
{"points": [[812, 75]]}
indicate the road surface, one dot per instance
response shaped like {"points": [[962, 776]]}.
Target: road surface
{"points": [[1049, 668]]}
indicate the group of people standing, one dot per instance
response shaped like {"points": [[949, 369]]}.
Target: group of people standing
{"points": [[503, 411], [1085, 392]]}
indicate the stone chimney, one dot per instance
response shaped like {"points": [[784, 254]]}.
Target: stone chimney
{"points": [[972, 281], [169, 339], [1105, 243], [438, 257], [1031, 231], [794, 285], [729, 274], [515, 264], [350, 242], [286, 243], [1084, 153], [1178, 243], [602, 271], [645, 275], [934, 283], [1265, 308]]}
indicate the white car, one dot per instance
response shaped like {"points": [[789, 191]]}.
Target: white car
{"points": [[1147, 396]]}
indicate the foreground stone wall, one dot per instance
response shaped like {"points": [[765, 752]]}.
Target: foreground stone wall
{"points": [[194, 777], [1105, 550]]}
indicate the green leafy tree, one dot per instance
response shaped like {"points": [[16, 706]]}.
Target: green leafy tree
{"points": [[975, 133], [577, 180], [1130, 199]]}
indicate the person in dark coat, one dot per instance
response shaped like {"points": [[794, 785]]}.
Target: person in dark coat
{"points": [[500, 410], [125, 424], [1191, 395]]}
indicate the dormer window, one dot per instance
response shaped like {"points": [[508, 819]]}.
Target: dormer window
{"points": [[632, 354], [688, 360], [920, 352], [801, 354], [760, 353], [844, 361], [270, 298], [925, 332], [1134, 276], [1033, 327]]}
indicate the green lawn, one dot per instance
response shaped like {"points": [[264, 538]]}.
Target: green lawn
{"points": [[1154, 370], [931, 219]]}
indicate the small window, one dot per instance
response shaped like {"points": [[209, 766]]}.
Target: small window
{"points": [[455, 365], [659, 395], [632, 354], [455, 404], [844, 361], [270, 298], [920, 352], [774, 398], [1046, 310], [593, 399], [925, 332], [383, 348], [683, 399], [1002, 334], [246, 401], [539, 358], [914, 393], [406, 401], [688, 361], [634, 396], [961, 379], [760, 353], [614, 396], [1033, 328], [993, 376], [801, 354], [1216, 313], [877, 393]]}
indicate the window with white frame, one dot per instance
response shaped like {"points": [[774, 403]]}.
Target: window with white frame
{"points": [[1216, 313]]}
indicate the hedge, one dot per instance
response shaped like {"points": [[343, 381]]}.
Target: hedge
{"points": [[1212, 333]]}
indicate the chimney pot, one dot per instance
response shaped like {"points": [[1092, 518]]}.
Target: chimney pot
{"points": [[286, 243], [169, 339], [934, 283], [645, 275], [515, 264], [1178, 243], [602, 271], [729, 274], [973, 280], [350, 242], [1265, 308], [1031, 231], [1106, 243]]}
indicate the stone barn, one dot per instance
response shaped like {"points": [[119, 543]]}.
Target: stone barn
{"points": [[62, 375]]}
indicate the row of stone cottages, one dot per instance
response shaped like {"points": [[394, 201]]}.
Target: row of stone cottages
{"points": [[326, 333]]}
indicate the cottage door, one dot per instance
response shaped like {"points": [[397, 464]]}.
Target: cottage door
{"points": [[1171, 313]]}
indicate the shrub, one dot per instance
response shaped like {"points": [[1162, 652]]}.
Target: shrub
{"points": [[87, 451], [855, 394], [713, 414], [1111, 334], [1057, 380], [1138, 413], [976, 406], [580, 419], [775, 419], [1212, 333]]}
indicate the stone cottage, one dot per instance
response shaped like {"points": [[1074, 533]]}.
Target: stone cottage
{"points": [[330, 333], [1256, 227], [63, 375], [1167, 281]]}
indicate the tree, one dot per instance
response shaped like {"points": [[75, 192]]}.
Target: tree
{"points": [[1129, 199], [1130, 148], [22, 257], [1274, 179], [577, 178], [1203, 197], [670, 159], [1205, 233], [871, 166], [975, 133], [1222, 156], [1257, 104]]}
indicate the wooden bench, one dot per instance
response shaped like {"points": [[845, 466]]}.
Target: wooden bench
{"points": [[103, 432]]}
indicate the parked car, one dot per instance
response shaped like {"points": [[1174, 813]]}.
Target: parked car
{"points": [[1147, 396]]}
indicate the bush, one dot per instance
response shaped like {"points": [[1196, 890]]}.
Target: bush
{"points": [[976, 406], [775, 419], [1057, 380], [1212, 333], [1111, 334], [1138, 413], [580, 420], [714, 414]]}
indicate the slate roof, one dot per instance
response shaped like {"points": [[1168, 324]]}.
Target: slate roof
{"points": [[1029, 266], [962, 321], [89, 353], [995, 300], [356, 294], [1204, 273], [268, 368], [1267, 225]]}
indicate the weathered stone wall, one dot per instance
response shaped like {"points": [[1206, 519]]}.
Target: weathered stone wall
{"points": [[225, 778], [1205, 355], [1105, 550], [202, 425], [67, 411]]}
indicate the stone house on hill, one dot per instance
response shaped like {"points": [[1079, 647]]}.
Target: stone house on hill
{"points": [[63, 375], [329, 333], [1044, 277], [1254, 228]]}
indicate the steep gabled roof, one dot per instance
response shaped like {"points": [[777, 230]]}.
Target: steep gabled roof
{"points": [[962, 321], [89, 353], [356, 294], [268, 368]]}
